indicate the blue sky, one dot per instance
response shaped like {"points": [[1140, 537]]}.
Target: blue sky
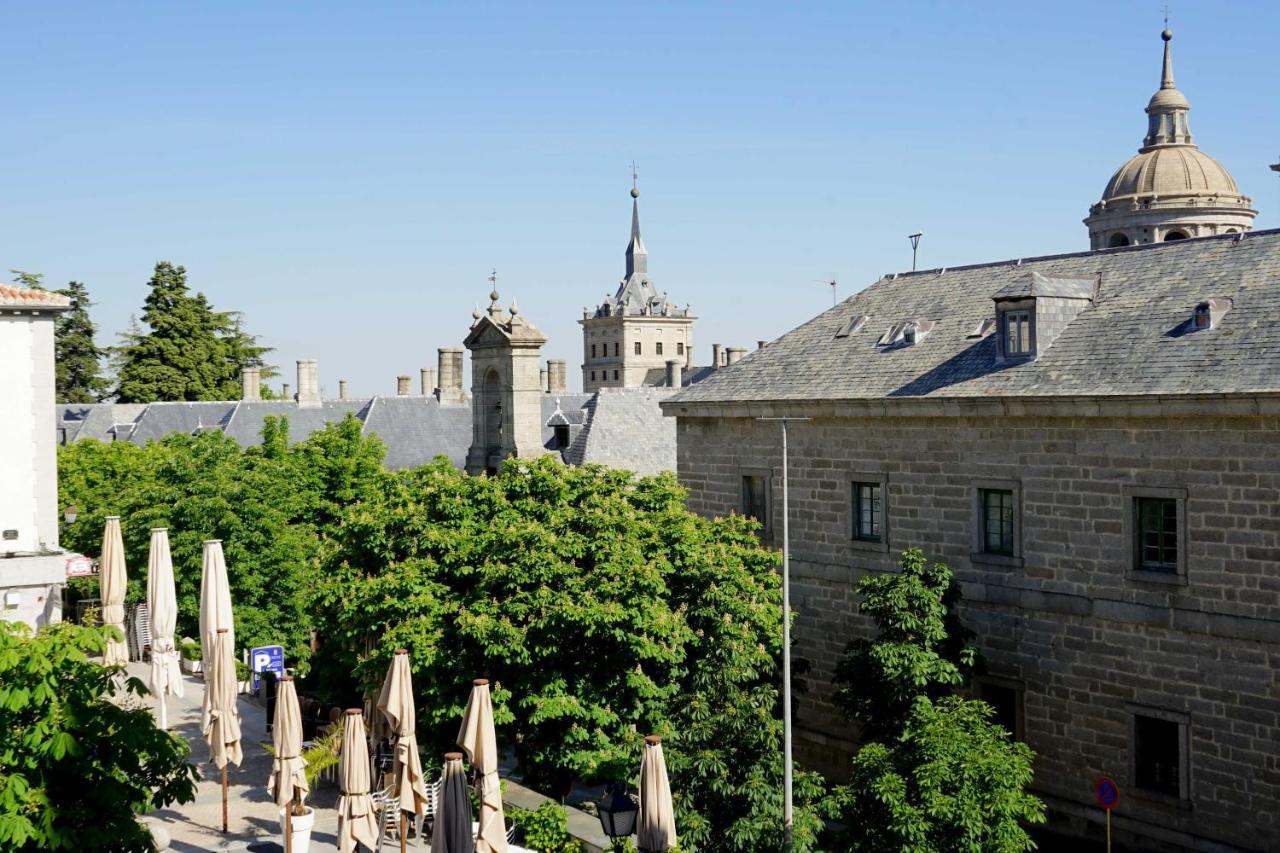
{"points": [[347, 174]]}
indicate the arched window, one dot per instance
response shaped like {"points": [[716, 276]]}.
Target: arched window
{"points": [[1117, 240], [1174, 235]]}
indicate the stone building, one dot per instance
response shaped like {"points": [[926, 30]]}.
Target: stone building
{"points": [[1092, 442], [637, 337], [1170, 189], [33, 568]]}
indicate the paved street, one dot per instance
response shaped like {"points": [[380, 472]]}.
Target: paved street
{"points": [[253, 822]]}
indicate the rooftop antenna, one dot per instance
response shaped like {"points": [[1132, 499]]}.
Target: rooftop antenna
{"points": [[915, 247], [833, 284]]}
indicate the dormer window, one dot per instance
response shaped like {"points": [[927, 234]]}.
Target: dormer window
{"points": [[984, 328], [909, 333], [1017, 336], [1203, 317], [1208, 314], [854, 324]]}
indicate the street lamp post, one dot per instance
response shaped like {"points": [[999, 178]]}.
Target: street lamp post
{"points": [[786, 641]]}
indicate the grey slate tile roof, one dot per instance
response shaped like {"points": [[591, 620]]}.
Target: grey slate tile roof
{"points": [[418, 429], [160, 419], [1131, 341], [246, 421], [625, 429]]}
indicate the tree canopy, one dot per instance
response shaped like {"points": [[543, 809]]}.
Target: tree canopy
{"points": [[77, 357], [76, 764], [935, 774], [189, 351]]}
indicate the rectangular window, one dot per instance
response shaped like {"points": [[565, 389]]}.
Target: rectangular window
{"points": [[997, 521], [1157, 755], [637, 348], [615, 375], [679, 349], [658, 348], [562, 436], [1156, 534], [615, 349], [755, 497], [1017, 333], [593, 376], [593, 350], [868, 512]]}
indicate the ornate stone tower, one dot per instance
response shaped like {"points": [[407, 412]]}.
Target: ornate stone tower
{"points": [[1171, 189], [506, 387], [628, 340]]}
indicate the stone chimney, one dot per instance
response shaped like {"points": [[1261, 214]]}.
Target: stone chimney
{"points": [[450, 376], [733, 354], [428, 380], [402, 386], [673, 373], [308, 383], [716, 355], [543, 382], [556, 373], [342, 389], [251, 383], [285, 388]]}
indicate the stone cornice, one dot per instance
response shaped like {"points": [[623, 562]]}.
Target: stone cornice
{"points": [[1144, 406]]}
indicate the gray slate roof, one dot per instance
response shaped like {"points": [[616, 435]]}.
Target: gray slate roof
{"points": [[245, 423], [418, 429], [1131, 341], [625, 429]]}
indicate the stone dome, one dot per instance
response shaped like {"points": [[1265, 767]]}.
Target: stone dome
{"points": [[1170, 189], [1168, 171]]}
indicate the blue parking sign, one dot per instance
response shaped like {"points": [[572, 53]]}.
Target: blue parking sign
{"points": [[266, 659]]}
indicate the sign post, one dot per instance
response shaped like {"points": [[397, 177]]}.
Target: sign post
{"points": [[1107, 793]]}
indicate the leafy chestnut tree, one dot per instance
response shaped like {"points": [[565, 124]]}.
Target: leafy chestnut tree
{"points": [[935, 773], [77, 764], [601, 610]]}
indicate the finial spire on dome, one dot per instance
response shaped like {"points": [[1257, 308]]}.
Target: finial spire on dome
{"points": [[1166, 72], [1167, 110], [637, 256]]}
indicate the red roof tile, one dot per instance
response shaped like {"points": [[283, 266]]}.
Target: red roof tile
{"points": [[12, 296]]}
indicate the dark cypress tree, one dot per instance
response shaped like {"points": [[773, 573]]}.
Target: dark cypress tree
{"points": [[190, 351], [78, 358]]}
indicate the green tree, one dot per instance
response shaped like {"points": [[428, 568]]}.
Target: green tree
{"points": [[28, 279], [935, 774], [241, 350], [77, 763], [600, 609], [77, 357], [189, 351]]}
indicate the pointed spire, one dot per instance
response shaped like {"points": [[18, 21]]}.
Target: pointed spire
{"points": [[1166, 73], [637, 256], [1167, 110]]}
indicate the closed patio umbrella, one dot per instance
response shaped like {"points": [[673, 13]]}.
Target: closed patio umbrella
{"points": [[112, 582], [357, 822], [288, 781], [222, 732], [396, 704], [452, 831], [215, 609], [656, 823], [480, 743], [162, 604]]}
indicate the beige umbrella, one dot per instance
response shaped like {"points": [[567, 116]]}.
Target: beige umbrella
{"points": [[222, 732], [112, 581], [478, 741], [357, 822], [162, 605], [452, 830], [288, 781], [396, 704], [656, 823], [215, 609]]}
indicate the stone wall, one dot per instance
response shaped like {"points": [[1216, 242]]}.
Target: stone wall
{"points": [[1088, 641]]}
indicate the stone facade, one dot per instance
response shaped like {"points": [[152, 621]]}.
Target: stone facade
{"points": [[1086, 642]]}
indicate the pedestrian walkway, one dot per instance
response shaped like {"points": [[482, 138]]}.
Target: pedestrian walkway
{"points": [[253, 821]]}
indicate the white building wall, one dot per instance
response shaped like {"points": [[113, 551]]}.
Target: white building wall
{"points": [[18, 442]]}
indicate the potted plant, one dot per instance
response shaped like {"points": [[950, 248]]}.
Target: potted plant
{"points": [[190, 654], [320, 756], [244, 677]]}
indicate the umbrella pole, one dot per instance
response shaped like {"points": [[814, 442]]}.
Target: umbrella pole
{"points": [[164, 713], [224, 798], [288, 828], [403, 830]]}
